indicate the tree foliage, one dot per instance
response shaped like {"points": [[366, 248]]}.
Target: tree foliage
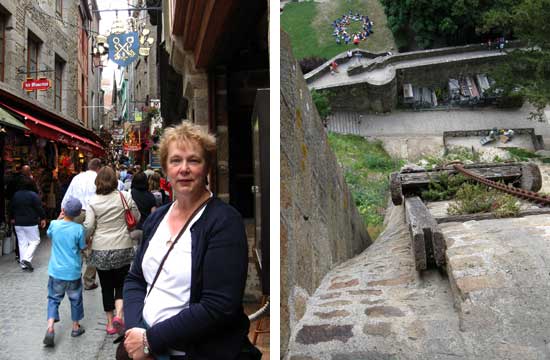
{"points": [[524, 74], [527, 70], [322, 103], [450, 22]]}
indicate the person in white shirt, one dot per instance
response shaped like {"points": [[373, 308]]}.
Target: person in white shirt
{"points": [[83, 187]]}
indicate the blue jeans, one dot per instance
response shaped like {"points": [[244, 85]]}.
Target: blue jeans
{"points": [[56, 291]]}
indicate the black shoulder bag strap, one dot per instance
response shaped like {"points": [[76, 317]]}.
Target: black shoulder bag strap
{"points": [[199, 208]]}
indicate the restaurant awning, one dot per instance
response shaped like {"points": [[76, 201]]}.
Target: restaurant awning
{"points": [[9, 120], [52, 132]]}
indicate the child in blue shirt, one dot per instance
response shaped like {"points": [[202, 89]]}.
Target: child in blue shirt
{"points": [[64, 269]]}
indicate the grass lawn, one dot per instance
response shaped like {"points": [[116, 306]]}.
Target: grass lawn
{"points": [[366, 168], [309, 25]]}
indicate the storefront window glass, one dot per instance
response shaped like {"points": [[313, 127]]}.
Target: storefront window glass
{"points": [[58, 101]]}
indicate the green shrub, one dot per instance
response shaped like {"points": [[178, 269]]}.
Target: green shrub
{"points": [[478, 198], [322, 103], [366, 169], [444, 187], [520, 154]]}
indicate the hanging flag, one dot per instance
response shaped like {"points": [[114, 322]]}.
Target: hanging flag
{"points": [[123, 48]]}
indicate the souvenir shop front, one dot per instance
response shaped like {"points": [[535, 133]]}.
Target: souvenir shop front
{"points": [[54, 149]]}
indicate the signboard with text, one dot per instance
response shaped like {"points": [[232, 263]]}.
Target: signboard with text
{"points": [[41, 84]]}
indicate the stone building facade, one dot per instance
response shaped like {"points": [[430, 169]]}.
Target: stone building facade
{"points": [[58, 40], [320, 225], [213, 64]]}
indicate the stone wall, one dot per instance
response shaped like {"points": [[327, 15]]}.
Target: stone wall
{"points": [[55, 37], [384, 98], [364, 97], [320, 226]]}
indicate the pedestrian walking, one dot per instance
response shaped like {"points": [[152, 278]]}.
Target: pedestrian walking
{"points": [[82, 187], [161, 196], [12, 186], [26, 213], [149, 171], [112, 250], [145, 202], [64, 269]]}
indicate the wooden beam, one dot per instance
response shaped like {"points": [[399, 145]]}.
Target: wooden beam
{"points": [[178, 17], [193, 20], [428, 243], [212, 27]]}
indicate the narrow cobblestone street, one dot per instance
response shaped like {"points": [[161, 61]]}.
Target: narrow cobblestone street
{"points": [[24, 303]]}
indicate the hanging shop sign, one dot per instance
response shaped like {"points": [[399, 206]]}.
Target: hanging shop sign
{"points": [[41, 84], [132, 139], [123, 48]]}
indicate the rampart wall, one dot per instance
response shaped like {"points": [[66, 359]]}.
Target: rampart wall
{"points": [[367, 96], [320, 225]]}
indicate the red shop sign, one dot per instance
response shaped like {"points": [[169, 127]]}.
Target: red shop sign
{"points": [[41, 84]]}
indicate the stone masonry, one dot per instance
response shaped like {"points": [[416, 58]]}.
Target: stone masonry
{"points": [[56, 37], [320, 226], [490, 303], [378, 81]]}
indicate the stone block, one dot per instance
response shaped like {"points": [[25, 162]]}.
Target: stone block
{"points": [[330, 296], [465, 262], [332, 314], [401, 280], [315, 334], [378, 329], [335, 303], [384, 311], [345, 284], [470, 284]]}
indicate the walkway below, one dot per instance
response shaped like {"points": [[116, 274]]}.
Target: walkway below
{"points": [[386, 73], [412, 134], [23, 316], [23, 297]]}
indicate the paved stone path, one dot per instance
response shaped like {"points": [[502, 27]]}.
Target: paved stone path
{"points": [[384, 74], [23, 316], [491, 304], [413, 134]]}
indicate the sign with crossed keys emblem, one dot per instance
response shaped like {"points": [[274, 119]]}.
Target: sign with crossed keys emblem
{"points": [[123, 48]]}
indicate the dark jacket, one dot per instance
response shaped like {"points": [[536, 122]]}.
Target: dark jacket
{"points": [[214, 325], [145, 201], [26, 208]]}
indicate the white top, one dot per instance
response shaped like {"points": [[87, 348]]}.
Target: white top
{"points": [[82, 187], [173, 287]]}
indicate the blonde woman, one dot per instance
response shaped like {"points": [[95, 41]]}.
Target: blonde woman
{"points": [[183, 295]]}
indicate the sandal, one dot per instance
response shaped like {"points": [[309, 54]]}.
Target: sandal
{"points": [[118, 324], [78, 332], [111, 331]]}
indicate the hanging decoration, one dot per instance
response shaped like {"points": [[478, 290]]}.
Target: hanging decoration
{"points": [[123, 48]]}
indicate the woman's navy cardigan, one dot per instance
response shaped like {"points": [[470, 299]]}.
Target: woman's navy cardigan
{"points": [[214, 325]]}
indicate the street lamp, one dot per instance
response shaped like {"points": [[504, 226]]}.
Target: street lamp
{"points": [[101, 49], [145, 42]]}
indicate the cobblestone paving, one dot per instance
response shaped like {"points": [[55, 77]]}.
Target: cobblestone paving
{"points": [[23, 316]]}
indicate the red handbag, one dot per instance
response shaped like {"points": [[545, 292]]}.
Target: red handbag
{"points": [[131, 221]]}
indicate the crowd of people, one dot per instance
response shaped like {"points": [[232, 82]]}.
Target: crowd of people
{"points": [[342, 24], [153, 295]]}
